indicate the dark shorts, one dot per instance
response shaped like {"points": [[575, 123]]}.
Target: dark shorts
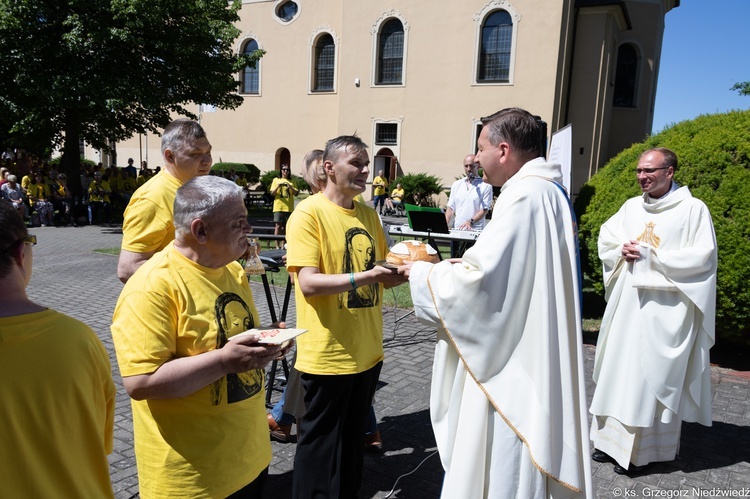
{"points": [[281, 217]]}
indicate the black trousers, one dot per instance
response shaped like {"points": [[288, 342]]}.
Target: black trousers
{"points": [[330, 436], [253, 490]]}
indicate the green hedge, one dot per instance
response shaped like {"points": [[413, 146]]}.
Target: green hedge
{"points": [[251, 171], [714, 161]]}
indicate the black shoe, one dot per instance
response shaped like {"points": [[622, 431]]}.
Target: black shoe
{"points": [[601, 457], [632, 469]]}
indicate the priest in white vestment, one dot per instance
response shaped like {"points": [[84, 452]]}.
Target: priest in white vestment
{"points": [[652, 365], [508, 404]]}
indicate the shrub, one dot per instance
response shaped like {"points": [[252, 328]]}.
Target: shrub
{"points": [[251, 171], [419, 188], [714, 162]]}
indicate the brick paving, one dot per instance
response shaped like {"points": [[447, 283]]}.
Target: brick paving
{"points": [[713, 462]]}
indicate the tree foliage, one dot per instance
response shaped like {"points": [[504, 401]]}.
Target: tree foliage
{"points": [[714, 162], [743, 87], [102, 70]]}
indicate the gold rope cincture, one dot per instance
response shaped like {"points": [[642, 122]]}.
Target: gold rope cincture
{"points": [[481, 386]]}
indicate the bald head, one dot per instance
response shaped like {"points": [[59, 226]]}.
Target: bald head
{"points": [[470, 165]]}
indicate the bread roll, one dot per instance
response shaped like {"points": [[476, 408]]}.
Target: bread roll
{"points": [[412, 250]]}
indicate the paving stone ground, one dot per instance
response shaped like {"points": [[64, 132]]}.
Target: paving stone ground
{"points": [[713, 462]]}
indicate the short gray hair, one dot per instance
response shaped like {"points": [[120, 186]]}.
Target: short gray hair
{"points": [[202, 197], [178, 133]]}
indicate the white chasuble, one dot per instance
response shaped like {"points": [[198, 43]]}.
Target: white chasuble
{"points": [[508, 402], [652, 363]]}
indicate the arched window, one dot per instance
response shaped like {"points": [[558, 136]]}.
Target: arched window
{"points": [[494, 52], [325, 63], [391, 53], [626, 76], [251, 75]]}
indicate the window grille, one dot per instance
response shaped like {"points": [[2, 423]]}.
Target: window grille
{"points": [[494, 55], [325, 58], [391, 60], [386, 134]]}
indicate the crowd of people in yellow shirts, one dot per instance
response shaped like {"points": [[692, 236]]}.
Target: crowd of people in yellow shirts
{"points": [[41, 193]]}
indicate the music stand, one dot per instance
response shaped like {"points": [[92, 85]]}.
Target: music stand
{"points": [[272, 262], [429, 221]]}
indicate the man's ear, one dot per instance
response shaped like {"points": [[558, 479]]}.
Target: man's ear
{"points": [[169, 156], [18, 254], [503, 151], [198, 231], [328, 167]]}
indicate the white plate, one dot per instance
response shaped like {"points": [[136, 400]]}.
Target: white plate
{"points": [[271, 335]]}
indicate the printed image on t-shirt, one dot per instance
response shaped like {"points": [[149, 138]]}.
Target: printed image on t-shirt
{"points": [[233, 316], [359, 255]]}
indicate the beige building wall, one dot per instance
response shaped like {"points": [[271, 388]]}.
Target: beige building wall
{"points": [[562, 69]]}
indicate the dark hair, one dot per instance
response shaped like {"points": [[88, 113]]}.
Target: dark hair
{"points": [[12, 228], [177, 134], [518, 128], [670, 158], [342, 143]]}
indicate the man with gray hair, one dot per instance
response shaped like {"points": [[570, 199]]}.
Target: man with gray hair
{"points": [[199, 416], [147, 226]]}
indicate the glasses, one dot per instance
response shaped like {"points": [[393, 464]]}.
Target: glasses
{"points": [[30, 239], [471, 165], [285, 169], [649, 171]]}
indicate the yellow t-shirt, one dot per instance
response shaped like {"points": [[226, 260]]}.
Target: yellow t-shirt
{"points": [[215, 441], [397, 194], [99, 191], [40, 192], [127, 185], [57, 415], [26, 182], [380, 184], [283, 200], [148, 223], [345, 330]]}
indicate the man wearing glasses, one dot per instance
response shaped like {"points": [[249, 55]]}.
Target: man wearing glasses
{"points": [[652, 365], [57, 415]]}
